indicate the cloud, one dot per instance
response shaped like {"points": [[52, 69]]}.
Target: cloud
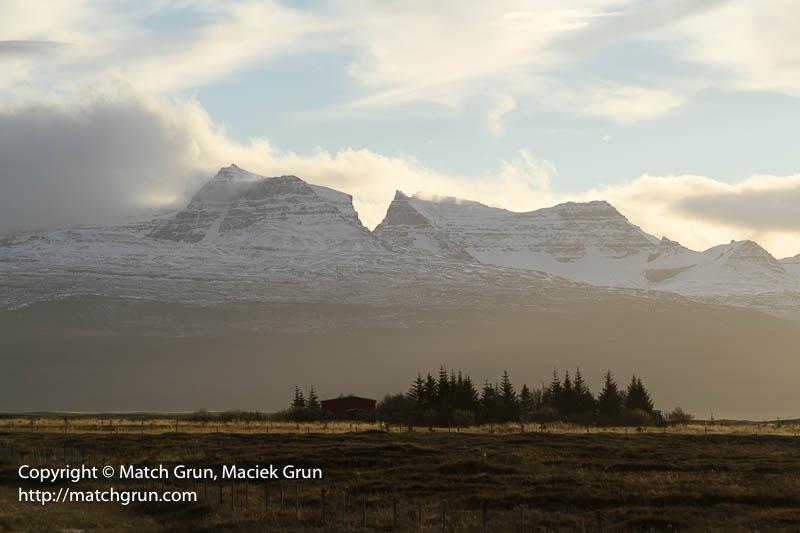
{"points": [[101, 157], [701, 212], [619, 103], [104, 156], [637, 20], [399, 55], [10, 49], [748, 45], [505, 104], [439, 53], [89, 161]]}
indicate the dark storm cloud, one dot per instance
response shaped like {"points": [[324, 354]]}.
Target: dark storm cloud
{"points": [[776, 209], [84, 164], [28, 48]]}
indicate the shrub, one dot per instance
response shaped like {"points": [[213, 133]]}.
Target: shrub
{"points": [[546, 414], [678, 416], [429, 417], [639, 417], [463, 418]]}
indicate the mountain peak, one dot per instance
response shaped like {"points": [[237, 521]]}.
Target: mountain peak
{"points": [[592, 208], [283, 212], [401, 212], [746, 257]]}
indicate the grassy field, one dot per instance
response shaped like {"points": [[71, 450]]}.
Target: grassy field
{"points": [[639, 481], [144, 424]]}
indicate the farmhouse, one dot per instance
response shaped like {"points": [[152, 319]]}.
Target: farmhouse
{"points": [[349, 408]]}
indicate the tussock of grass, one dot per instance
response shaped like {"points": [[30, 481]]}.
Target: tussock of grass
{"points": [[676, 481]]}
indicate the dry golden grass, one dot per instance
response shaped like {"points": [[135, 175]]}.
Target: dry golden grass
{"points": [[728, 480], [154, 425]]}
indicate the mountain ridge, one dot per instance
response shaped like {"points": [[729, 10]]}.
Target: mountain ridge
{"points": [[246, 226]]}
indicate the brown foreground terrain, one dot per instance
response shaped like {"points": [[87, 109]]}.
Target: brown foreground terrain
{"points": [[86, 354], [532, 481]]}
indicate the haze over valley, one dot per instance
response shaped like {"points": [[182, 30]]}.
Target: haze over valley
{"points": [[262, 280]]}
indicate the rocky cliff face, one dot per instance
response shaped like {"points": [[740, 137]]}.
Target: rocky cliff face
{"points": [[741, 267], [792, 265], [586, 242], [285, 212], [464, 229], [246, 236]]}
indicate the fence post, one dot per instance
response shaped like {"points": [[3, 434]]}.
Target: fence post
{"points": [[323, 506]]}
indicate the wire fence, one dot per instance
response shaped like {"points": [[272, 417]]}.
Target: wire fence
{"points": [[307, 503]]}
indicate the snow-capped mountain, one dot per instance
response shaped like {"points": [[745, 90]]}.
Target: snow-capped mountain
{"points": [[245, 236], [570, 240], [283, 213], [584, 242], [792, 265]]}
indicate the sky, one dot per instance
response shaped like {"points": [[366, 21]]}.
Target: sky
{"points": [[682, 114]]}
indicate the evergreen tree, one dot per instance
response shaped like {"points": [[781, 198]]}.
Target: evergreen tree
{"points": [[416, 392], [638, 397], [488, 402], [508, 399], [299, 401], [610, 401], [471, 396], [526, 405], [416, 397], [584, 401], [566, 401], [444, 403], [313, 400], [552, 394], [431, 392]]}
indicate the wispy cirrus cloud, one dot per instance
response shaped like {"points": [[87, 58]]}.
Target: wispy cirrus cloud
{"points": [[399, 53], [102, 157]]}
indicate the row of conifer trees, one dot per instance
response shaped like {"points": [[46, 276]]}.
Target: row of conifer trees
{"points": [[453, 399]]}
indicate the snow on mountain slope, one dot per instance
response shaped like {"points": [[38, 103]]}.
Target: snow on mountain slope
{"points": [[740, 267], [282, 239], [792, 266], [275, 213], [589, 243], [245, 237], [561, 239]]}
